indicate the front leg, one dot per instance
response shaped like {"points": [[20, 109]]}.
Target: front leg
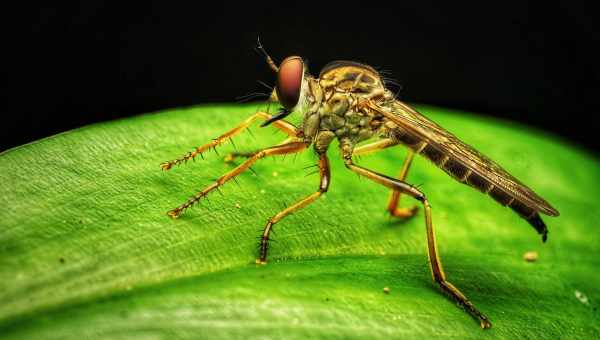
{"points": [[282, 125], [284, 149]]}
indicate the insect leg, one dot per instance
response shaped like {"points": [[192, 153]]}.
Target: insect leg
{"points": [[394, 201], [323, 186], [395, 196], [275, 150], [434, 261], [282, 125]]}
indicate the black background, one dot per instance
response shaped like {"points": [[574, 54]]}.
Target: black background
{"points": [[72, 65]]}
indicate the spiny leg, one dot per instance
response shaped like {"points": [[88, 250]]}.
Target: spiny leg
{"points": [[275, 150], [434, 261], [394, 201], [323, 186], [282, 125]]}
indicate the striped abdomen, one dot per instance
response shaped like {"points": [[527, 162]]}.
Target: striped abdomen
{"points": [[464, 174]]}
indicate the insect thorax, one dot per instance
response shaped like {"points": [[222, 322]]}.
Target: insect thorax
{"points": [[335, 93]]}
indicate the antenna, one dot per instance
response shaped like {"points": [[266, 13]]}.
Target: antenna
{"points": [[261, 50]]}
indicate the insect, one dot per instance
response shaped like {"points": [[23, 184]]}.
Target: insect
{"points": [[350, 102]]}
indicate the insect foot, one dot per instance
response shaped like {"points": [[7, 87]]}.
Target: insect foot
{"points": [[175, 213], [405, 213], [264, 244], [166, 165]]}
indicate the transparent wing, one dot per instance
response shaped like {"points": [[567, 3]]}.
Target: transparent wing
{"points": [[419, 125]]}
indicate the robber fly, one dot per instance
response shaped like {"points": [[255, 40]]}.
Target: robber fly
{"points": [[349, 102]]}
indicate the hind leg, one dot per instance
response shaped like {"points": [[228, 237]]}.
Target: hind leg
{"points": [[394, 201], [435, 263]]}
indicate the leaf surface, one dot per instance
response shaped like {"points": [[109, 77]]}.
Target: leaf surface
{"points": [[86, 249]]}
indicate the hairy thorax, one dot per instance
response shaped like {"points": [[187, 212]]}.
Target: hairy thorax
{"points": [[343, 86]]}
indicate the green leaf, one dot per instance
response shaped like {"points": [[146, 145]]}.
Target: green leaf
{"points": [[86, 249]]}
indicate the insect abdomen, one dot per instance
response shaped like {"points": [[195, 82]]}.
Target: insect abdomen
{"points": [[463, 174]]}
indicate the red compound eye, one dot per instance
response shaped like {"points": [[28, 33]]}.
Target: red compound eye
{"points": [[289, 81]]}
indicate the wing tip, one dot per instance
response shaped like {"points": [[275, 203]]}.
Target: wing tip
{"points": [[550, 211]]}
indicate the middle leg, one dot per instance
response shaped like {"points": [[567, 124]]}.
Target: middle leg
{"points": [[323, 186]]}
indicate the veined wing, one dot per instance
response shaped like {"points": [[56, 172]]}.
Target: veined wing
{"points": [[461, 160]]}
